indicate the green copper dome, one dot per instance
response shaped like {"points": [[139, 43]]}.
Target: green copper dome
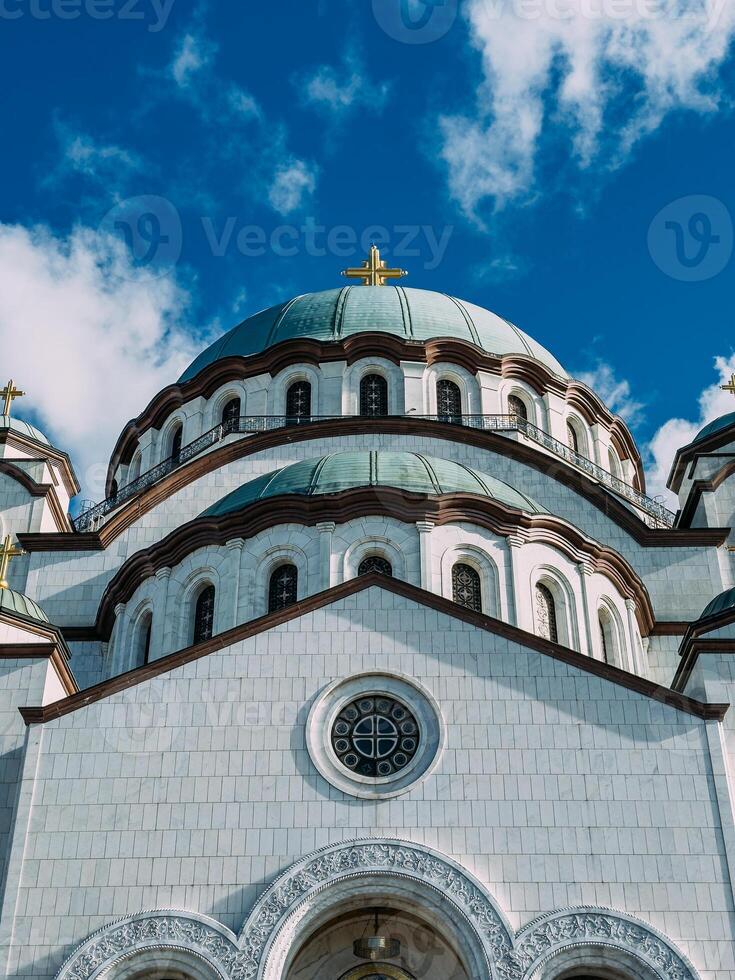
{"points": [[718, 425], [17, 604], [410, 314], [346, 471], [721, 603], [22, 428]]}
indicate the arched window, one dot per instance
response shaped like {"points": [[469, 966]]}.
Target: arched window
{"points": [[204, 615], [143, 639], [448, 401], [114, 490], [373, 395], [231, 415], [608, 636], [572, 439], [517, 407], [298, 403], [466, 587], [546, 622], [614, 463], [175, 452], [283, 588], [134, 471], [375, 563]]}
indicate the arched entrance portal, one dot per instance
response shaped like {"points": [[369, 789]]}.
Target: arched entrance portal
{"points": [[415, 946]]}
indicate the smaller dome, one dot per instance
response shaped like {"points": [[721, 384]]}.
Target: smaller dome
{"points": [[718, 425], [721, 603], [17, 604], [411, 472], [22, 428]]}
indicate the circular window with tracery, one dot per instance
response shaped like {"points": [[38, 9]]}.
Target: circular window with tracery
{"points": [[375, 736]]}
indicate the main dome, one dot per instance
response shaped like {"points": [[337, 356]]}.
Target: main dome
{"points": [[407, 471], [410, 314]]}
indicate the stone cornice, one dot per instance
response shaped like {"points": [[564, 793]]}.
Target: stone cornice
{"points": [[631, 682], [10, 468], [700, 447], [55, 651], [362, 502], [699, 487], [41, 450], [565, 474], [696, 642], [358, 346]]}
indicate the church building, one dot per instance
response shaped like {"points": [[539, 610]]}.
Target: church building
{"points": [[377, 662]]}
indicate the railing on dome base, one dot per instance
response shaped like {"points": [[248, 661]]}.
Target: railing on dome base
{"points": [[656, 515]]}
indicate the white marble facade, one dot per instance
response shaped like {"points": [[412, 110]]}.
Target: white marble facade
{"points": [[174, 800]]}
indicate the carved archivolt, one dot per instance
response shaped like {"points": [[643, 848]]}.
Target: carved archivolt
{"points": [[283, 911]]}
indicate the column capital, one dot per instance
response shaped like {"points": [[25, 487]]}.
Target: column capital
{"points": [[163, 574], [586, 568], [631, 605], [235, 544], [424, 527], [516, 540], [120, 609], [326, 527]]}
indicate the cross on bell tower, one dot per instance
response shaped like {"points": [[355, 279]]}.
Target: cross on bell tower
{"points": [[374, 271], [729, 387]]}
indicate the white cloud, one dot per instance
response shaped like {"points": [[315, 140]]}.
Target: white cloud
{"points": [[338, 92], [672, 435], [293, 183], [614, 391], [88, 344], [599, 75], [193, 54]]}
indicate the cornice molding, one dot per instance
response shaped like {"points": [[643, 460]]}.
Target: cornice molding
{"points": [[565, 474], [11, 437], [47, 490], [700, 447], [365, 501], [122, 682], [356, 347], [55, 651]]}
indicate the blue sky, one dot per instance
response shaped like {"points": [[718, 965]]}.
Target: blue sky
{"points": [[569, 169]]}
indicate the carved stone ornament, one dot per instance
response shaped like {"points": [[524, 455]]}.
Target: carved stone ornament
{"points": [[245, 958]]}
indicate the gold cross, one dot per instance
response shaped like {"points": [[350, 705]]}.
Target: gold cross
{"points": [[730, 387], [373, 271], [10, 393], [7, 553]]}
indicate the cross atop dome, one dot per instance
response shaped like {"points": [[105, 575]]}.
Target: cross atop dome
{"points": [[10, 393], [373, 271], [7, 553]]}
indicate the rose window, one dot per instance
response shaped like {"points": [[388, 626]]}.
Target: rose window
{"points": [[375, 737]]}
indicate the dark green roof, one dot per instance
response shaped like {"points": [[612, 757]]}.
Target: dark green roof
{"points": [[721, 603], [724, 422], [22, 428], [17, 604], [348, 470], [410, 314]]}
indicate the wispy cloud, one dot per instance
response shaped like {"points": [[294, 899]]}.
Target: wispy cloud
{"points": [[293, 183], [93, 336], [192, 56], [106, 168], [678, 432], [614, 391], [594, 78], [337, 92]]}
